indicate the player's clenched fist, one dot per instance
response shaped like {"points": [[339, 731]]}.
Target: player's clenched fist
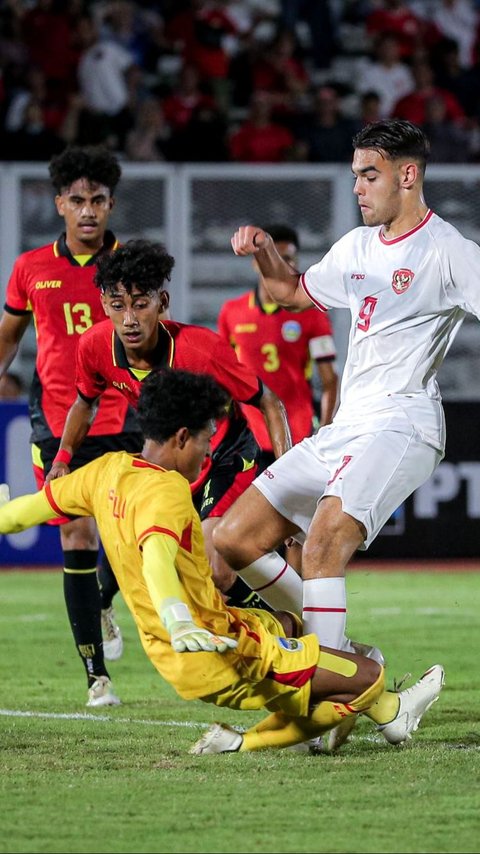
{"points": [[249, 239]]}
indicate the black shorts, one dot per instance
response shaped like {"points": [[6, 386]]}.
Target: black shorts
{"points": [[233, 470], [91, 448]]}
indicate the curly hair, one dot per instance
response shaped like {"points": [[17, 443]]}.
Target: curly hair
{"points": [[398, 138], [171, 399], [140, 263], [95, 163]]}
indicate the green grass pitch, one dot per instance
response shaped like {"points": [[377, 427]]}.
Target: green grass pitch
{"points": [[121, 779]]}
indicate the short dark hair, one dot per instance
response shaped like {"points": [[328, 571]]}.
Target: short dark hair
{"points": [[95, 163], [397, 138], [171, 399], [282, 234], [138, 262]]}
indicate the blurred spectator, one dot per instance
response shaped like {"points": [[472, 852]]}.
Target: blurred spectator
{"points": [[327, 134], [203, 139], [107, 77], [397, 18], [33, 140], [320, 21], [369, 110], [33, 87], [188, 96], [458, 20], [449, 143], [92, 68], [386, 74], [47, 31], [280, 72], [412, 106], [137, 27], [259, 139], [11, 387], [149, 139]]}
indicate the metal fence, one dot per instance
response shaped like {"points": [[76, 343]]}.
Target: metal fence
{"points": [[194, 211]]}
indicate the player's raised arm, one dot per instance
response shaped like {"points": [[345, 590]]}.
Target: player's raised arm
{"points": [[281, 280]]}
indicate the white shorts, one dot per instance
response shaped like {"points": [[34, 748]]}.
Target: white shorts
{"points": [[372, 473]]}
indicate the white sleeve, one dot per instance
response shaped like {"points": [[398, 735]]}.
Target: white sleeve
{"points": [[461, 258], [324, 282]]}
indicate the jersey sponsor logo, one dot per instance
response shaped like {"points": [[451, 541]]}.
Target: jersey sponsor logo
{"points": [[402, 279], [268, 473], [245, 327], [121, 386], [291, 330], [247, 464], [358, 276], [290, 644], [49, 283]]}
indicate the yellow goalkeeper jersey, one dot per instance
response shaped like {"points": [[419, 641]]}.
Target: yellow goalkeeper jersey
{"points": [[130, 500]]}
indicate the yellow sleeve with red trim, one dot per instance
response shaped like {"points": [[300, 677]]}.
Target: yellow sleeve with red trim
{"points": [[25, 512]]}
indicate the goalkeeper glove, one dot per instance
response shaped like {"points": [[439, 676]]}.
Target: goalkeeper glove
{"points": [[185, 636], [4, 494]]}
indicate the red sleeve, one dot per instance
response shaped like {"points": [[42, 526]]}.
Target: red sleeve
{"points": [[220, 361], [240, 381], [88, 380], [16, 296], [223, 324]]}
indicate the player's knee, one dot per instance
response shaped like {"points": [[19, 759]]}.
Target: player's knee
{"points": [[226, 541]]}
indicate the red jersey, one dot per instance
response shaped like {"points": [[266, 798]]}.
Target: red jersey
{"points": [[279, 346], [61, 294], [102, 364]]}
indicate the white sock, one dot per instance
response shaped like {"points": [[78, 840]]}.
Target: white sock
{"points": [[276, 582], [325, 610]]}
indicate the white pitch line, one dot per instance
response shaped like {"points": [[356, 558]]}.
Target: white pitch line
{"points": [[85, 716]]}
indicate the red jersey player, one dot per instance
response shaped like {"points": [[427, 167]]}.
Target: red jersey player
{"points": [[55, 284], [280, 345], [132, 282]]}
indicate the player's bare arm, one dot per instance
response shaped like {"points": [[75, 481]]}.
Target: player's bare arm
{"points": [[281, 280], [329, 380], [12, 328], [276, 420], [78, 422]]}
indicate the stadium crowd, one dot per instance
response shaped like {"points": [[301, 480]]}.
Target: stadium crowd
{"points": [[236, 80]]}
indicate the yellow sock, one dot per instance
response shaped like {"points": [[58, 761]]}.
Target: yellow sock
{"points": [[371, 696], [279, 730], [384, 709]]}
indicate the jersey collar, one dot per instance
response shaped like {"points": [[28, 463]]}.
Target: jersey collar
{"points": [[61, 250], [256, 301], [387, 242]]}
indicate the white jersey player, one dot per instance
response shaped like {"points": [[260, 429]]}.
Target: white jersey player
{"points": [[408, 279]]}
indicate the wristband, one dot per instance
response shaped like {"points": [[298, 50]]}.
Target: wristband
{"points": [[63, 456], [176, 612]]}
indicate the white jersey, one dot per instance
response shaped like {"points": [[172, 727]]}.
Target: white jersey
{"points": [[407, 297]]}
